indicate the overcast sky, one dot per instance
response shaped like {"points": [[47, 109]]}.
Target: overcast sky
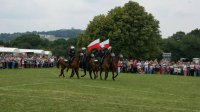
{"points": [[44, 15]]}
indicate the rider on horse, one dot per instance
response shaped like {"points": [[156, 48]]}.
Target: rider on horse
{"points": [[71, 54], [84, 57], [102, 53], [112, 54], [83, 52]]}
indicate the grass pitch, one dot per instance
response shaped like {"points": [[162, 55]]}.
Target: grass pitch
{"points": [[31, 90]]}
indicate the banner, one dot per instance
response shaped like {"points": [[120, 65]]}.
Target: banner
{"points": [[94, 45]]}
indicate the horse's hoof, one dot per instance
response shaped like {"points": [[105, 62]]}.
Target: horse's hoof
{"points": [[113, 79]]}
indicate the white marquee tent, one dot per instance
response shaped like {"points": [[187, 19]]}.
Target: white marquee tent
{"points": [[16, 50], [49, 53], [9, 50], [35, 51]]}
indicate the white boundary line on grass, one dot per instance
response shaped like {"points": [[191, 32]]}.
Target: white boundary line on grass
{"points": [[111, 103]]}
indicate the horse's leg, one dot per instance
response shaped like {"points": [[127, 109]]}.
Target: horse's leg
{"points": [[67, 69], [106, 76], [94, 72], [101, 73], [76, 70], [90, 72], [72, 73], [84, 72], [60, 72], [113, 77], [116, 73]]}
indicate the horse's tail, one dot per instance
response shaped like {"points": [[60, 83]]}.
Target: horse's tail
{"points": [[58, 64]]}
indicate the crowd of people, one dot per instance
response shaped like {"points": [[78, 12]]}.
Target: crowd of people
{"points": [[160, 67], [11, 61]]}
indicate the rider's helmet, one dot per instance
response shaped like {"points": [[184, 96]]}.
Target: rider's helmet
{"points": [[121, 56], [72, 47], [83, 48], [92, 55]]}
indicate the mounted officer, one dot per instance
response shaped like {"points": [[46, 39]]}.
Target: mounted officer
{"points": [[83, 50], [112, 54], [102, 53], [71, 54], [84, 57]]}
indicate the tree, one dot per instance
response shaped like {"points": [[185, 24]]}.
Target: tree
{"points": [[60, 47], [173, 46], [178, 35], [183, 45], [131, 30], [190, 46], [30, 41], [1, 43]]}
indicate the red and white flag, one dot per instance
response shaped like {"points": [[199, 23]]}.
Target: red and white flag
{"points": [[105, 43], [94, 45]]}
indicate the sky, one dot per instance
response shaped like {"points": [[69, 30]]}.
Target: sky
{"points": [[45, 15]]}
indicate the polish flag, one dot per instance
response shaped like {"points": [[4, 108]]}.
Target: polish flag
{"points": [[105, 43], [94, 45]]}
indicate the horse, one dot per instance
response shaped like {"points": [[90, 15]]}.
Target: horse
{"points": [[114, 66], [91, 66], [84, 64], [105, 66], [110, 63], [74, 65]]}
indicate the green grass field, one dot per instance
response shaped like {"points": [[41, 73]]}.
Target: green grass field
{"points": [[31, 90]]}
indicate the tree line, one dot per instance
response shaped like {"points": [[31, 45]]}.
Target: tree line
{"points": [[65, 33]]}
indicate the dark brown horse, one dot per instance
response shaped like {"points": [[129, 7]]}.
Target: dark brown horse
{"points": [[114, 65], [92, 67], [110, 63], [105, 66], [74, 66]]}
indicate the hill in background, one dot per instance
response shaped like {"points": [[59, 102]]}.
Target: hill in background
{"points": [[51, 35]]}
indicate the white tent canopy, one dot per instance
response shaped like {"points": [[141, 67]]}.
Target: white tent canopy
{"points": [[49, 53], [35, 51], [9, 50]]}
